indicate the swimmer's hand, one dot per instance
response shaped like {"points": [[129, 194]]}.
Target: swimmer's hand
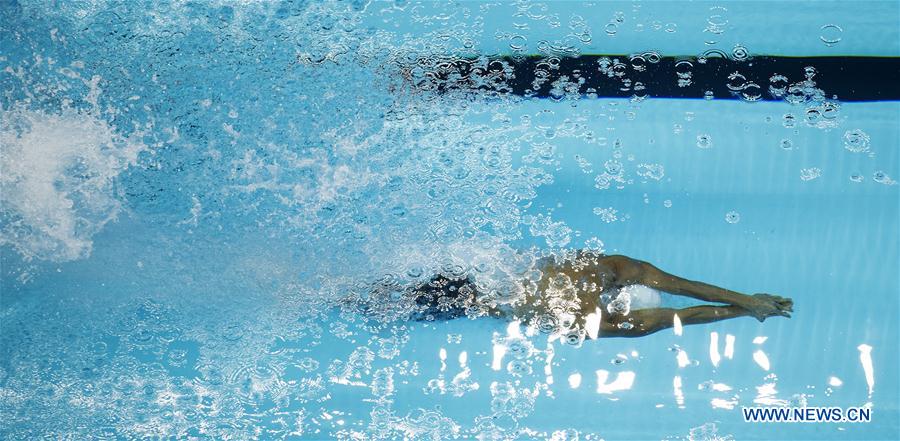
{"points": [[763, 306]]}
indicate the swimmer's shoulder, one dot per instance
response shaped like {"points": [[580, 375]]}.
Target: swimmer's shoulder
{"points": [[578, 260]]}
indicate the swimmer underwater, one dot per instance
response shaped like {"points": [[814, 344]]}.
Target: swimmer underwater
{"points": [[591, 295]]}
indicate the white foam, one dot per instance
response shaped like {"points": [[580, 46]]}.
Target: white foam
{"points": [[56, 185]]}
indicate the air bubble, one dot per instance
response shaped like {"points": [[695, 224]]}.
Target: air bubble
{"points": [[830, 110], [613, 167], [704, 141], [809, 72], [519, 348], [831, 34], [788, 120], [602, 181], [651, 171], [518, 368], [611, 29], [574, 337], [778, 85], [813, 116], [740, 53], [607, 215], [547, 324], [620, 305], [752, 92], [684, 68], [638, 63], [732, 217], [684, 72], [736, 81], [595, 245], [717, 16], [711, 53], [518, 43], [856, 141], [808, 174], [882, 178], [383, 382]]}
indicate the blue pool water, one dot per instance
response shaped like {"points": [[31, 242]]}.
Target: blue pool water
{"points": [[197, 195]]}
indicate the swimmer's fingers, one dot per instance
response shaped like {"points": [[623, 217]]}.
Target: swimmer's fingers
{"points": [[785, 309], [783, 303], [772, 298], [779, 299], [778, 313], [786, 305]]}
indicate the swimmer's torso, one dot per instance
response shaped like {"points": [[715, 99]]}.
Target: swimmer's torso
{"points": [[556, 293], [567, 289]]}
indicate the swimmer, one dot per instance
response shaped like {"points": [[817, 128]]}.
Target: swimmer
{"points": [[593, 295]]}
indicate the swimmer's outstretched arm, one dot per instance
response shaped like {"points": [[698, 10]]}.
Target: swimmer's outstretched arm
{"points": [[648, 321], [630, 271]]}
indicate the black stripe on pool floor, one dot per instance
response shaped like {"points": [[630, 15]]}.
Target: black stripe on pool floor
{"points": [[649, 75]]}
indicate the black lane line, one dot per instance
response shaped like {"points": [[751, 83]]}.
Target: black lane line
{"points": [[846, 78]]}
